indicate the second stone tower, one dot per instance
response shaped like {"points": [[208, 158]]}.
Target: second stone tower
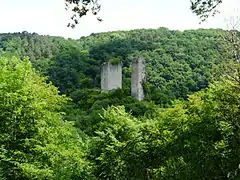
{"points": [[138, 78]]}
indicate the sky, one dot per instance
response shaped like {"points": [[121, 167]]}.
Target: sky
{"points": [[49, 17]]}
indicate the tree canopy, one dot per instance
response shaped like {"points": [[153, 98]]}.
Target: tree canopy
{"points": [[36, 142], [178, 63], [63, 127]]}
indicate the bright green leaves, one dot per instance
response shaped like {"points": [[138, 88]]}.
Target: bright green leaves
{"points": [[197, 139], [118, 135], [35, 141]]}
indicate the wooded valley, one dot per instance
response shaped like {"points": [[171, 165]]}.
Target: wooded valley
{"points": [[57, 124]]}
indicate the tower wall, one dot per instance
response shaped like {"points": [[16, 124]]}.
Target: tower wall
{"points": [[111, 76], [138, 78]]}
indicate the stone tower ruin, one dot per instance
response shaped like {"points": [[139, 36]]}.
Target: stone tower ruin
{"points": [[138, 78], [111, 76]]}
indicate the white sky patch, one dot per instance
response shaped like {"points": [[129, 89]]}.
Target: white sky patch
{"points": [[49, 16]]}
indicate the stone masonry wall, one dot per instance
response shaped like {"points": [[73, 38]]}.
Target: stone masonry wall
{"points": [[138, 78], [111, 76]]}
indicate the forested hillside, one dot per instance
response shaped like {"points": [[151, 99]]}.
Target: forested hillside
{"points": [[57, 124], [178, 63]]}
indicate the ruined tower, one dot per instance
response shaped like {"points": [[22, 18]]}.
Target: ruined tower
{"points": [[138, 78], [111, 76]]}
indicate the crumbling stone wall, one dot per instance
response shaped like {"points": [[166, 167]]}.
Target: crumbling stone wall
{"points": [[111, 76], [138, 78]]}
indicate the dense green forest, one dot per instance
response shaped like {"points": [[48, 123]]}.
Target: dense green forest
{"points": [[57, 124], [179, 63]]}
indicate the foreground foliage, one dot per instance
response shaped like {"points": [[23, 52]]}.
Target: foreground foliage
{"points": [[197, 139], [35, 141]]}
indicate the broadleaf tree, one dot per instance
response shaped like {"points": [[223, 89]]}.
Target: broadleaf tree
{"points": [[36, 142]]}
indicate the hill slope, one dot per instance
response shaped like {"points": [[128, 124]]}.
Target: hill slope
{"points": [[179, 63]]}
